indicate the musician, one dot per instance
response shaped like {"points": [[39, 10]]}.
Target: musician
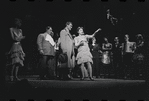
{"points": [[84, 56], [46, 45], [128, 51], [95, 50], [117, 57], [106, 55]]}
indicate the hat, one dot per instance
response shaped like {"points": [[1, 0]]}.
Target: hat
{"points": [[63, 57]]}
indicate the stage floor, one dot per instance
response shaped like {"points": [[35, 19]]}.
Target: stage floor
{"points": [[108, 89]]}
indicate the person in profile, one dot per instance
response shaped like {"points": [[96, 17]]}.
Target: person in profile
{"points": [[16, 52], [67, 46]]}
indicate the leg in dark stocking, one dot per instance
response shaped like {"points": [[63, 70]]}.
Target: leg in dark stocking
{"points": [[12, 71], [16, 72]]}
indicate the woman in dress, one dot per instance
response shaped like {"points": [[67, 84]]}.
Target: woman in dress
{"points": [[106, 57], [16, 51], [84, 56], [138, 57]]}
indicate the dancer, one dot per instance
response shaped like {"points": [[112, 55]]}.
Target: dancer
{"points": [[16, 52], [84, 56]]}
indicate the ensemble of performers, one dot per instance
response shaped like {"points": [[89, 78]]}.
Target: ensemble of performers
{"points": [[73, 56]]}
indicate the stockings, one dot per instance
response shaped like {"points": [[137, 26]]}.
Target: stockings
{"points": [[14, 72]]}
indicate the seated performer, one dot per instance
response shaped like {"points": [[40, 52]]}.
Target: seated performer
{"points": [[84, 56]]}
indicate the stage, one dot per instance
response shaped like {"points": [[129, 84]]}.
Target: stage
{"points": [[76, 90]]}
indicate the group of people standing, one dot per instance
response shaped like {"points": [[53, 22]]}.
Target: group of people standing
{"points": [[48, 49], [61, 55], [123, 59], [66, 59]]}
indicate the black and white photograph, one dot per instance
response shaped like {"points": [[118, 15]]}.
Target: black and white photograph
{"points": [[74, 50]]}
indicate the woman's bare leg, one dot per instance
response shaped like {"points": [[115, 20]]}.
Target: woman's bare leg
{"points": [[82, 70], [89, 67]]}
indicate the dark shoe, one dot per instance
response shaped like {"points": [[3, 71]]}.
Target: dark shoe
{"points": [[82, 78], [16, 79], [92, 79]]}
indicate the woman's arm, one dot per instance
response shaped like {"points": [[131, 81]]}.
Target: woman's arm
{"points": [[11, 32], [91, 36], [76, 42]]}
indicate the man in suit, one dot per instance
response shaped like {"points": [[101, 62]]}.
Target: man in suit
{"points": [[46, 48], [67, 46]]}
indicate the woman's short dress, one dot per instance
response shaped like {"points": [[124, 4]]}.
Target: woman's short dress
{"points": [[16, 52], [84, 54]]}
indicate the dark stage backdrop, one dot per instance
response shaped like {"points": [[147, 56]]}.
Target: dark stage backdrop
{"points": [[132, 19]]}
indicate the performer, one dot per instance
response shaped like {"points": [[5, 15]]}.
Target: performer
{"points": [[16, 52], [117, 58], [128, 51], [84, 56], [67, 46], [58, 51], [138, 57], [46, 45], [95, 50], [106, 56]]}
